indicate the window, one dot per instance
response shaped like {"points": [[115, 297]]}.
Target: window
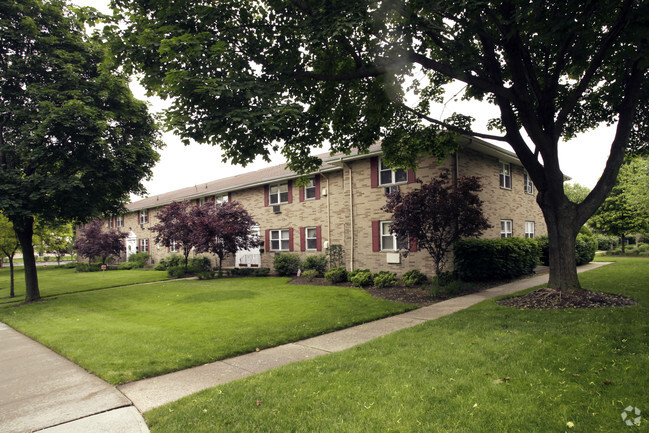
{"points": [[278, 194], [144, 216], [311, 238], [387, 176], [506, 228], [279, 240], [219, 199], [120, 221], [528, 185], [144, 246], [309, 190], [529, 229], [389, 241], [111, 223], [173, 247], [505, 175]]}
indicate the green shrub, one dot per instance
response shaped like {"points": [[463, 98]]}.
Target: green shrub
{"points": [[160, 267], [244, 272], [205, 275], [88, 267], [361, 278], [445, 278], [544, 250], [195, 265], [261, 272], [413, 278], [174, 260], [176, 271], [495, 259], [70, 265], [140, 258], [310, 274], [643, 248], [353, 273], [606, 242], [129, 265], [46, 258], [286, 264], [385, 279], [585, 249], [317, 263], [336, 255], [336, 275]]}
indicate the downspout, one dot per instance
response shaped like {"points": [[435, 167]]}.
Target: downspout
{"points": [[351, 217], [328, 210]]}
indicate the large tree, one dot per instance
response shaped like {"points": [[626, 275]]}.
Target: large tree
{"points": [[8, 246], [175, 228], [93, 241], [222, 229], [253, 76], [625, 211], [438, 214], [74, 143]]}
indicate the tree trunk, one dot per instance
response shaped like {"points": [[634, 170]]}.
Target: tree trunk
{"points": [[560, 219], [24, 228], [11, 273]]}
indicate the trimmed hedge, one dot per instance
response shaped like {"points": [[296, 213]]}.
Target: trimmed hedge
{"points": [[585, 249], [286, 264], [495, 259], [336, 275]]}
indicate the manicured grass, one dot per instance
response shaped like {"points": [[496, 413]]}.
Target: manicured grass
{"points": [[485, 369], [128, 333], [58, 281]]}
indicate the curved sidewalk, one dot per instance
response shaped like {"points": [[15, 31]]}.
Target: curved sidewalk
{"points": [[150, 393]]}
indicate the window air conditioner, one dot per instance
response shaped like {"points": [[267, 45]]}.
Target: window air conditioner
{"points": [[276, 209]]}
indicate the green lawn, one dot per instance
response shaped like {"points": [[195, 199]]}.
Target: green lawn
{"points": [[128, 333], [485, 369], [58, 281]]}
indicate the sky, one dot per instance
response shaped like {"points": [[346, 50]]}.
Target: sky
{"points": [[582, 159]]}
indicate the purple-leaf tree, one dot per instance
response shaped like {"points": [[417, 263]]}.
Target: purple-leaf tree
{"points": [[438, 214], [175, 227], [94, 241], [222, 229]]}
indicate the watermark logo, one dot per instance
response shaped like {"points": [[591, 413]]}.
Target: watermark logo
{"points": [[631, 416]]}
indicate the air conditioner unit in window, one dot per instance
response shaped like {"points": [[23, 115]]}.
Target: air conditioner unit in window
{"points": [[276, 209], [391, 189]]}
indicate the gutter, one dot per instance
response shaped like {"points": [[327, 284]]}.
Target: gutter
{"points": [[351, 216]]}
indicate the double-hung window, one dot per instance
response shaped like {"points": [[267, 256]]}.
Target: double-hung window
{"points": [[387, 176], [220, 199], [505, 175], [309, 190], [173, 247], [311, 238], [120, 221], [279, 240], [278, 194], [390, 241], [529, 229], [144, 245], [528, 185], [144, 216], [506, 228]]}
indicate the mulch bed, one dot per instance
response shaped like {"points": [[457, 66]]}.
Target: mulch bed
{"points": [[552, 299]]}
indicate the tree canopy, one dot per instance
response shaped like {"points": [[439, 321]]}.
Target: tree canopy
{"points": [[438, 214], [255, 76], [8, 246], [175, 228], [74, 142]]}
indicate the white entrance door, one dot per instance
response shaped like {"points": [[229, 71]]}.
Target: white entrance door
{"points": [[131, 244], [249, 258]]}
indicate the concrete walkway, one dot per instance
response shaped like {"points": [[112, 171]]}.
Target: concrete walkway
{"points": [[42, 391], [154, 392]]}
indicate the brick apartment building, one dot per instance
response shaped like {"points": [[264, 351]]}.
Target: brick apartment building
{"points": [[342, 205]]}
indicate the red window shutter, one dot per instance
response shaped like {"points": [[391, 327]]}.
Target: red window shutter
{"points": [[290, 191], [376, 236], [229, 197], [317, 187], [413, 245], [318, 234], [411, 176], [290, 236], [266, 195], [301, 194], [267, 243], [302, 238], [374, 171]]}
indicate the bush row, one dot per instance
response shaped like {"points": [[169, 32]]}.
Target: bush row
{"points": [[495, 259], [364, 277], [287, 264]]}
